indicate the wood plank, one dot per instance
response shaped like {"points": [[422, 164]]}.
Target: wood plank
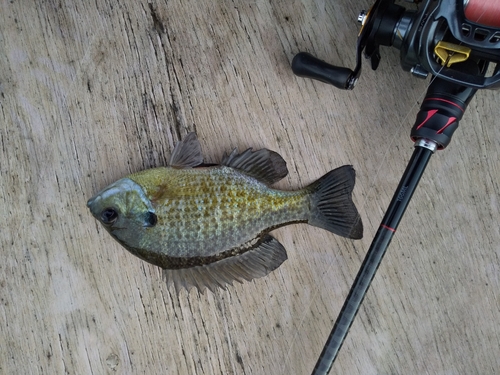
{"points": [[90, 92]]}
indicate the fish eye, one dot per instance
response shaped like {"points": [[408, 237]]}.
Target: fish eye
{"points": [[109, 216]]}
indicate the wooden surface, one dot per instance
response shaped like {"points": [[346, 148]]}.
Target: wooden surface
{"points": [[91, 91]]}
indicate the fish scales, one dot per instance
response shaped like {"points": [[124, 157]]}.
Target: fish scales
{"points": [[210, 210], [207, 226]]}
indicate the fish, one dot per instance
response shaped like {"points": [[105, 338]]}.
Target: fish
{"points": [[208, 225]]}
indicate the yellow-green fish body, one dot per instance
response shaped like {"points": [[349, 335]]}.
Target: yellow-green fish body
{"points": [[208, 225], [205, 210]]}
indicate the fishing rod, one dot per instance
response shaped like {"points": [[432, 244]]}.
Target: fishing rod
{"points": [[458, 44]]}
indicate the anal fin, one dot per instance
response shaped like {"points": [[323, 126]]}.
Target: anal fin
{"points": [[257, 262]]}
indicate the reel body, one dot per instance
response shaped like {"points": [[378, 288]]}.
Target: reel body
{"points": [[439, 39], [436, 39]]}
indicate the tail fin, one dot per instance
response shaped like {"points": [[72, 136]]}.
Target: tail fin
{"points": [[332, 207]]}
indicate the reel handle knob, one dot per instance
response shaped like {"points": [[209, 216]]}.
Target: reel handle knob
{"points": [[308, 66]]}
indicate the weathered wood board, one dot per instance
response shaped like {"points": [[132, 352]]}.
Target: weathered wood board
{"points": [[91, 91]]}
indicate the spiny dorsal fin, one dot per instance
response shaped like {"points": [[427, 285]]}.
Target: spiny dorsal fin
{"points": [[264, 165], [187, 153], [254, 263]]}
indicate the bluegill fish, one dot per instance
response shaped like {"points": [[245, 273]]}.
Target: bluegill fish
{"points": [[208, 225]]}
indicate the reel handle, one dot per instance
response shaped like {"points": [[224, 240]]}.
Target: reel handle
{"points": [[308, 66]]}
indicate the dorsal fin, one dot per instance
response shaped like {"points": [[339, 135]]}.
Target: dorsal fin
{"points": [[254, 263], [264, 165], [187, 153]]}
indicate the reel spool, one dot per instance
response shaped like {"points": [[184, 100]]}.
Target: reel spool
{"points": [[483, 12]]}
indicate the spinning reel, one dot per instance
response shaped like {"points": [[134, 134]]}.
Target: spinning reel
{"points": [[457, 42]]}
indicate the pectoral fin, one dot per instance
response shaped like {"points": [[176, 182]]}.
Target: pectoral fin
{"points": [[263, 258]]}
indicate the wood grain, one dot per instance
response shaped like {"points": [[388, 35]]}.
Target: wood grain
{"points": [[91, 91]]}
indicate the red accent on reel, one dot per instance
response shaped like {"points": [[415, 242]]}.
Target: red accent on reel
{"points": [[446, 101], [450, 121], [430, 113], [483, 12]]}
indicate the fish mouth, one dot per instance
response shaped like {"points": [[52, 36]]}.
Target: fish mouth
{"points": [[90, 201], [92, 206]]}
